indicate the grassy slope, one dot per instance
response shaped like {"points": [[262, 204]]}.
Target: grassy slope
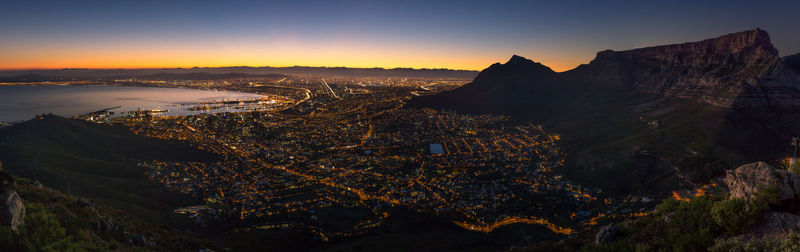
{"points": [[100, 161], [79, 217]]}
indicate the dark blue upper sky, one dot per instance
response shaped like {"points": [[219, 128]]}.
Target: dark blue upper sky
{"points": [[463, 34]]}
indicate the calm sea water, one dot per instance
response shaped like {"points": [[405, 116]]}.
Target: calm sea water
{"points": [[25, 102]]}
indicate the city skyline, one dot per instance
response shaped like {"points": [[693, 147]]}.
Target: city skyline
{"points": [[468, 35]]}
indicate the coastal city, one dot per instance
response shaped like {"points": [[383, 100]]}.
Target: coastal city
{"points": [[399, 126], [334, 156]]}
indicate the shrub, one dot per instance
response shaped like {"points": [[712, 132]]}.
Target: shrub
{"points": [[795, 168], [41, 231], [734, 215], [767, 198], [789, 243]]}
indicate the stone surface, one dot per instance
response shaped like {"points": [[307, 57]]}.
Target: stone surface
{"points": [[12, 212], [606, 233], [736, 70], [142, 240], [774, 226], [745, 181]]}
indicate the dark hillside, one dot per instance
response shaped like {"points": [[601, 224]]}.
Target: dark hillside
{"points": [[95, 161]]}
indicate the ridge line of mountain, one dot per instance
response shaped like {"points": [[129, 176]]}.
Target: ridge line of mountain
{"points": [[737, 69]]}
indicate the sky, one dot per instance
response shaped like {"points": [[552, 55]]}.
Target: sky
{"points": [[421, 34]]}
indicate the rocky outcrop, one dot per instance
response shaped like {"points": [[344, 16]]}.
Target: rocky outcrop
{"points": [[12, 211], [745, 181], [606, 233], [714, 71], [142, 241], [737, 57], [108, 224], [774, 226]]}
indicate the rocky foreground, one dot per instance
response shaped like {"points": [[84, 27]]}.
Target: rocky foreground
{"points": [[34, 217], [12, 211], [747, 181], [758, 214]]}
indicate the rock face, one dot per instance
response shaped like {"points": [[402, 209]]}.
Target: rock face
{"points": [[12, 212], [606, 233], [718, 62], [738, 69], [775, 225], [745, 181]]}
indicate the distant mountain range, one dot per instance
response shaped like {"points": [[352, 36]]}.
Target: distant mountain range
{"points": [[695, 107], [154, 76], [230, 72]]}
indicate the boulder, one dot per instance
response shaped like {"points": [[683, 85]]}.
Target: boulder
{"points": [[142, 240], [774, 226], [745, 182], [606, 233], [108, 224], [12, 212]]}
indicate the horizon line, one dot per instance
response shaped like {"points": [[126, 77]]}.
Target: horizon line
{"points": [[229, 66]]}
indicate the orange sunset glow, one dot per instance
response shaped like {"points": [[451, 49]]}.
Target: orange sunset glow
{"points": [[212, 54]]}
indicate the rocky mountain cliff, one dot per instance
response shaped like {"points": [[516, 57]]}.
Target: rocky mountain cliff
{"points": [[741, 68], [721, 102], [12, 211], [713, 71]]}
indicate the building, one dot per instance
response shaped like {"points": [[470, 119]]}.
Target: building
{"points": [[436, 149]]}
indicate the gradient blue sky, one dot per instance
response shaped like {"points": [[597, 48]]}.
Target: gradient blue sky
{"points": [[461, 35]]}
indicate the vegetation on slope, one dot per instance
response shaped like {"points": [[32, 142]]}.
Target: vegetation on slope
{"points": [[55, 221], [95, 161], [705, 222]]}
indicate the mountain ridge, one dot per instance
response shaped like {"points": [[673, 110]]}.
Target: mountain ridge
{"points": [[713, 71], [719, 102]]}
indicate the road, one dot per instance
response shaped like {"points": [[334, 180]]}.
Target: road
{"points": [[330, 89]]}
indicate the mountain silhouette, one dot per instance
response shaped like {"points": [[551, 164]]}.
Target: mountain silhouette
{"points": [[650, 119]]}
